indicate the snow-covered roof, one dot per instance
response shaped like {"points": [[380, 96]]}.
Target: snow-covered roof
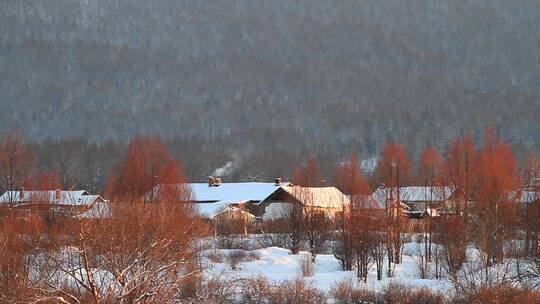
{"points": [[233, 192], [230, 192], [414, 193], [366, 202], [209, 210], [68, 198], [236, 211], [324, 197]]}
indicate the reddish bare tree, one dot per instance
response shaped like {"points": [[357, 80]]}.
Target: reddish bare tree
{"points": [[530, 172], [21, 238], [431, 175], [173, 185], [16, 163], [143, 165], [353, 226], [302, 218], [453, 238], [394, 171], [308, 175], [292, 217], [315, 223], [46, 180], [349, 179], [364, 235], [135, 252], [459, 158], [495, 209]]}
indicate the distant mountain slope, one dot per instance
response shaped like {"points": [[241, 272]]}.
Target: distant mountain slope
{"points": [[333, 77]]}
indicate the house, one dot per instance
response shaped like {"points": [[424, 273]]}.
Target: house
{"points": [[374, 207], [420, 201], [214, 197], [262, 200], [327, 200], [58, 201]]}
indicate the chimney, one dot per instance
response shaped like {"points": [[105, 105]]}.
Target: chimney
{"points": [[217, 182], [21, 194], [57, 193], [277, 181], [211, 181]]}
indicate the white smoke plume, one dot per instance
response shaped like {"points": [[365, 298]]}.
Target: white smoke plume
{"points": [[228, 168], [225, 170]]}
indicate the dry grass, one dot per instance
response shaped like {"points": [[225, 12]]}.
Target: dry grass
{"points": [[256, 291], [215, 256]]}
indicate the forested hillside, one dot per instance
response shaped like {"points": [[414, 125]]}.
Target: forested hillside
{"points": [[264, 83]]}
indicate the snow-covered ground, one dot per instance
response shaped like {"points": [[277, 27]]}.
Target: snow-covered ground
{"points": [[278, 264]]}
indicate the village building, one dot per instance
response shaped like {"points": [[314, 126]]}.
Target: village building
{"points": [[369, 204], [78, 202], [418, 201], [215, 197], [258, 200], [326, 200]]}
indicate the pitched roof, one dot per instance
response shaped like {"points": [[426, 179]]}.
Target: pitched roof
{"points": [[237, 211], [414, 193], [232, 192], [366, 202], [68, 198], [209, 210], [324, 197]]}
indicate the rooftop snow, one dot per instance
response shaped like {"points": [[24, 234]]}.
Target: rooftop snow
{"points": [[209, 210], [72, 198], [415, 194], [232, 192], [325, 197]]}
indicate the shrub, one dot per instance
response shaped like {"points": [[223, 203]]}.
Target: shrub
{"points": [[501, 294], [345, 292], [216, 291], [296, 292], [273, 240], [190, 286], [306, 266], [400, 294], [215, 256], [231, 242], [252, 256], [256, 291]]}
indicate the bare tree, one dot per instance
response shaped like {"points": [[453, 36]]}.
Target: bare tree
{"points": [[315, 222], [292, 216], [350, 180], [16, 164], [393, 170], [136, 252]]}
